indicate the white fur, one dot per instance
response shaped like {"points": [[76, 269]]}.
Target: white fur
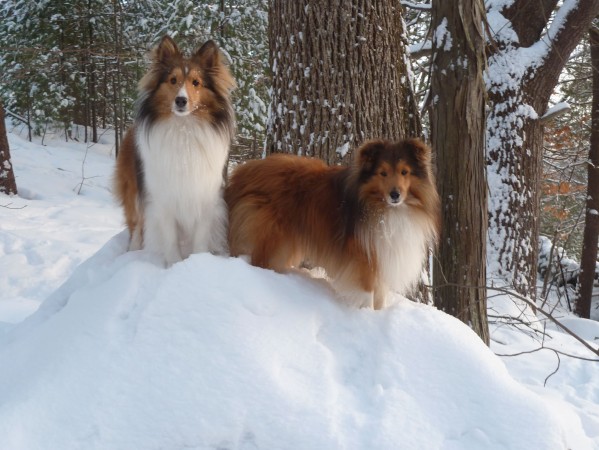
{"points": [[400, 239], [183, 161]]}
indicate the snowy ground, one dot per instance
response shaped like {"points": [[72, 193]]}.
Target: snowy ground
{"points": [[215, 354]]}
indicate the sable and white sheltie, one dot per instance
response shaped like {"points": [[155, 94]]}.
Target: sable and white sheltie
{"points": [[169, 171], [369, 225]]}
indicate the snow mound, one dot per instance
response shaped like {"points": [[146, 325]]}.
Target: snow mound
{"points": [[215, 354]]}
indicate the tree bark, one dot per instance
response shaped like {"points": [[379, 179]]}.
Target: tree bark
{"points": [[8, 184], [340, 77], [517, 99], [588, 260], [458, 97]]}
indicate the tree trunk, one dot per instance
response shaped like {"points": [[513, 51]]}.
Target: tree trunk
{"points": [[92, 80], [519, 84], [8, 185], [458, 93], [116, 80], [588, 260], [340, 76]]}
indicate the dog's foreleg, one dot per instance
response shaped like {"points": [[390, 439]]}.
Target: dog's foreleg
{"points": [[380, 297], [160, 235]]}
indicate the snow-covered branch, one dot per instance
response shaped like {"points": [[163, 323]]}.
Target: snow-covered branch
{"points": [[555, 111], [420, 49], [571, 22], [416, 6]]}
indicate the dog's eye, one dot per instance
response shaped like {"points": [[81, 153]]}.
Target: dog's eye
{"points": [[404, 172], [174, 80], [383, 173], [196, 83]]}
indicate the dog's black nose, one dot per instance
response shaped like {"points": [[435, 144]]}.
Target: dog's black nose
{"points": [[180, 102], [394, 195]]}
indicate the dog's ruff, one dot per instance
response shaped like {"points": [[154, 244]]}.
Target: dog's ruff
{"points": [[185, 212]]}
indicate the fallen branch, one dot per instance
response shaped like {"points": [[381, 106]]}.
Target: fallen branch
{"points": [[551, 318], [529, 303], [7, 206]]}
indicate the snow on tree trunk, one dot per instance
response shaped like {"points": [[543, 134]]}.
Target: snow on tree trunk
{"points": [[340, 76], [523, 70], [588, 260], [8, 184], [458, 97]]}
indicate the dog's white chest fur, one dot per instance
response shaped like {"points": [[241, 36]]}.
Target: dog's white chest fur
{"points": [[183, 161], [401, 240]]}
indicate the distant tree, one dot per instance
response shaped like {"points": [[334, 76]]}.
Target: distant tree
{"points": [[566, 144], [8, 184], [588, 262], [340, 76], [457, 123]]}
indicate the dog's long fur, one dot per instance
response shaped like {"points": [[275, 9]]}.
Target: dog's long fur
{"points": [[169, 172], [369, 225]]}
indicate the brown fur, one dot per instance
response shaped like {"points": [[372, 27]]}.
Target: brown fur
{"points": [[126, 183], [285, 210]]}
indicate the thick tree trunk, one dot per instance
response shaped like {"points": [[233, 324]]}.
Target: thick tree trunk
{"points": [[458, 93], [588, 260], [8, 184], [514, 203], [340, 76], [523, 70]]}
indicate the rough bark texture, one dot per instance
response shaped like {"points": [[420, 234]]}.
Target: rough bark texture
{"points": [[340, 76], [588, 260], [514, 132], [8, 184], [458, 97]]}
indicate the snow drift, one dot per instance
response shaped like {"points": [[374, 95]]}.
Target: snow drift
{"points": [[215, 354]]}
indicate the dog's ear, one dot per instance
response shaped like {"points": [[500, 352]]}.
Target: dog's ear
{"points": [[208, 55], [419, 149], [368, 154], [166, 50]]}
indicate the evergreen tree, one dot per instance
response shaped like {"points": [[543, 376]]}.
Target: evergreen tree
{"points": [[79, 61]]}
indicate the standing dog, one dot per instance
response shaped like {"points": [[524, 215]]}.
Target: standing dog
{"points": [[369, 225], [169, 171]]}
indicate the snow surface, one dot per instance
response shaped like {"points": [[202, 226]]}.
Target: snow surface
{"points": [[215, 354]]}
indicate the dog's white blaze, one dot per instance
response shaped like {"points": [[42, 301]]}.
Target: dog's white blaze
{"points": [[186, 110], [182, 92], [183, 162]]}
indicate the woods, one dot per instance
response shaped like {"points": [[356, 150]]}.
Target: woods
{"points": [[318, 79], [74, 65]]}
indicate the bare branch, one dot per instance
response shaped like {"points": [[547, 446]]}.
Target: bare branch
{"points": [[514, 294]]}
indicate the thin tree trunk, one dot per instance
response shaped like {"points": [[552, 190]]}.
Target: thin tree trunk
{"points": [[458, 137], [340, 76], [8, 184], [116, 80], [92, 80], [588, 260]]}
